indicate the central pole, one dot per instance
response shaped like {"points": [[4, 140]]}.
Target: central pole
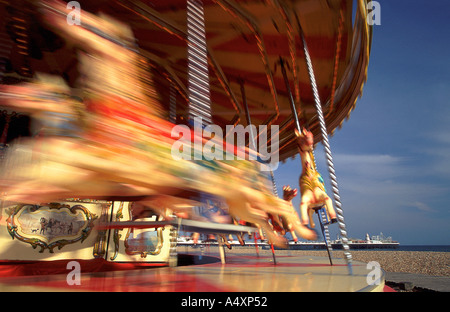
{"points": [[198, 74], [324, 227], [328, 154]]}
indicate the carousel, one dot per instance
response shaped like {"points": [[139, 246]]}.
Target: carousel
{"points": [[126, 122]]}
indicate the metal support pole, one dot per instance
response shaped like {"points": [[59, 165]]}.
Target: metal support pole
{"points": [[256, 244], [198, 74], [297, 123], [221, 250], [291, 99], [331, 171], [323, 220], [172, 103], [253, 144]]}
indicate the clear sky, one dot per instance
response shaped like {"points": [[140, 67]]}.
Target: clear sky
{"points": [[392, 157]]}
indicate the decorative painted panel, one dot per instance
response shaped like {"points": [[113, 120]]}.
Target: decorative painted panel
{"points": [[50, 226], [64, 230], [67, 230], [143, 245]]}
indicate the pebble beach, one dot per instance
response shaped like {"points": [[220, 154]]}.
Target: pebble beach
{"points": [[416, 262], [406, 271]]}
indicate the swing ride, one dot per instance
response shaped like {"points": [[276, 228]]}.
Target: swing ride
{"points": [[106, 94]]}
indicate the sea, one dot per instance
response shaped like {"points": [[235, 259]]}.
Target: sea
{"points": [[432, 248], [435, 248]]}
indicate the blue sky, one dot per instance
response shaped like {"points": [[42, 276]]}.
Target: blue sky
{"points": [[392, 157]]}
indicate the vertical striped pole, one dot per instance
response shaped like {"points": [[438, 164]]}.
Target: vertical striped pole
{"points": [[329, 157], [297, 124], [198, 75]]}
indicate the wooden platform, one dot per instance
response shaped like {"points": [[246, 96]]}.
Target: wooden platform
{"points": [[199, 272]]}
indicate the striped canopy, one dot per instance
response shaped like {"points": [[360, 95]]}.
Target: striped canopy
{"points": [[245, 41]]}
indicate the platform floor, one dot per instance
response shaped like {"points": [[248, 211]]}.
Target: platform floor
{"points": [[206, 273]]}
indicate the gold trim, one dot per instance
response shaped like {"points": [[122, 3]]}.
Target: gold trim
{"points": [[116, 235], [143, 254], [100, 245]]}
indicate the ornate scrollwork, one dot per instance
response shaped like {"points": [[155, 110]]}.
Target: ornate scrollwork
{"points": [[143, 248], [116, 235], [100, 245], [50, 226], [143, 253]]}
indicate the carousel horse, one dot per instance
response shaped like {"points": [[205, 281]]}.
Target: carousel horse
{"points": [[118, 144], [279, 223], [288, 195], [166, 206], [312, 187]]}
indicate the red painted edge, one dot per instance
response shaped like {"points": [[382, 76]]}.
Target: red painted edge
{"points": [[388, 289], [14, 268]]}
